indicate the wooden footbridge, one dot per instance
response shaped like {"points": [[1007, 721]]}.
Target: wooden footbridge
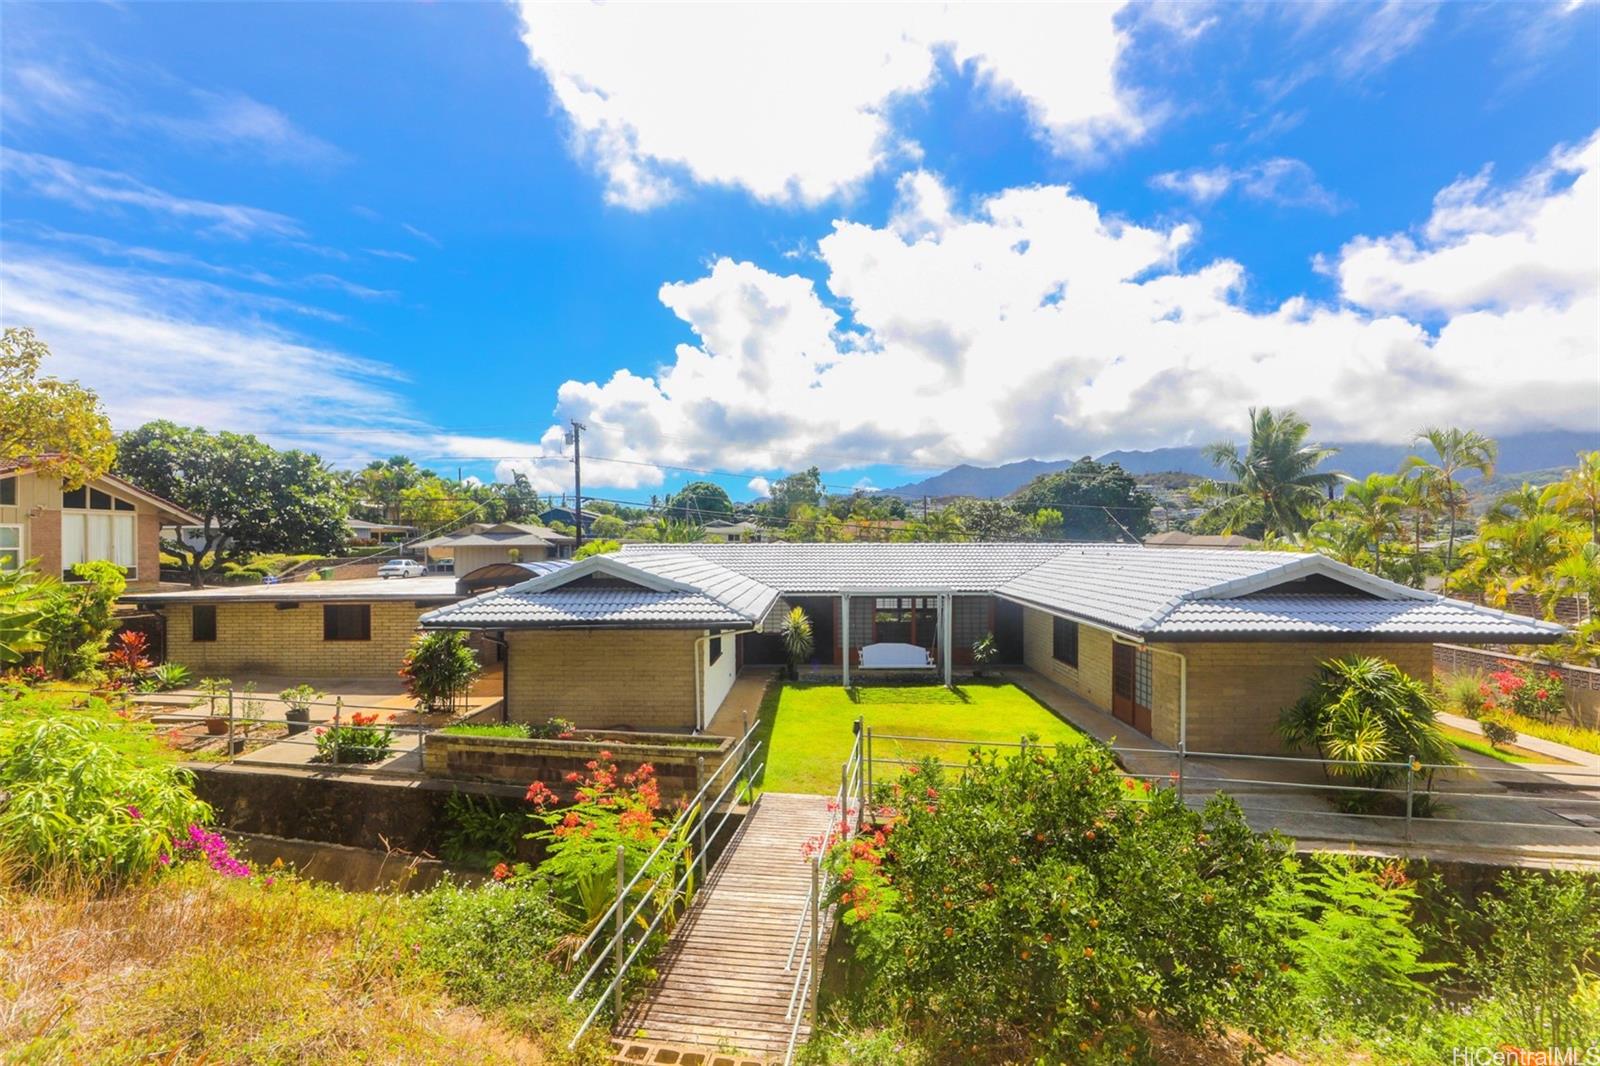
{"points": [[727, 984], [736, 982]]}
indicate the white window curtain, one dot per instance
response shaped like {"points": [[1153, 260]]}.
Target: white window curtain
{"points": [[89, 537]]}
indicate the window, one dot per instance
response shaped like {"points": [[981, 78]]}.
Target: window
{"points": [[203, 626], [716, 648], [1064, 642], [905, 620], [347, 621], [106, 529], [1143, 678], [8, 492], [10, 547]]}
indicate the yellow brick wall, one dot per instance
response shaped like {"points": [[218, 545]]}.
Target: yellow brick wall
{"points": [[257, 638], [1091, 679], [603, 678], [1238, 690]]}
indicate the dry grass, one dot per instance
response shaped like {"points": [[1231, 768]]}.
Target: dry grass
{"points": [[197, 969]]}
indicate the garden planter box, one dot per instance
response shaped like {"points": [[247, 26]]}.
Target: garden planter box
{"points": [[515, 761]]}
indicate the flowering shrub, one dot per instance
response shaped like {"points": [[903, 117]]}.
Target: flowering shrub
{"points": [[363, 740], [1039, 900], [1534, 693], [202, 845], [554, 729], [128, 660], [609, 808]]}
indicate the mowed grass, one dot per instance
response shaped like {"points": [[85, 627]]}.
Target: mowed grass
{"points": [[806, 728]]}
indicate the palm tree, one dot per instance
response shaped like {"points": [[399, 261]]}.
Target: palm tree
{"points": [[1455, 451], [1372, 507], [1275, 486], [1578, 494]]}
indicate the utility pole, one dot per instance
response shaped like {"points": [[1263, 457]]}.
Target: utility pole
{"points": [[575, 438]]}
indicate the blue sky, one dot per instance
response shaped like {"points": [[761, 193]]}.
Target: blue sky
{"points": [[881, 240]]}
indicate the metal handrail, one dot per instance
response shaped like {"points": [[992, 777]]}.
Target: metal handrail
{"points": [[615, 944], [808, 977]]}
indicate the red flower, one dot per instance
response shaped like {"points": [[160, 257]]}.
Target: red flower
{"points": [[1543, 694], [501, 871]]}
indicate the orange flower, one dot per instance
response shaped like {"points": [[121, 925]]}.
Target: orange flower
{"points": [[501, 871], [1088, 953]]}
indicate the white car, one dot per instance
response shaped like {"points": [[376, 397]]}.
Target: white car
{"points": [[401, 568]]}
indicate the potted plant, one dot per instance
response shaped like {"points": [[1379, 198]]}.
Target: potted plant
{"points": [[797, 643], [298, 701], [984, 652], [211, 688]]}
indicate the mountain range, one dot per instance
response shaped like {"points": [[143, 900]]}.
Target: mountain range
{"points": [[1533, 450]]}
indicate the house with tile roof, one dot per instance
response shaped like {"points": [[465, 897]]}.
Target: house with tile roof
{"points": [[1203, 646]]}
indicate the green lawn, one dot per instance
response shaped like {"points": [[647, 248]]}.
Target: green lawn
{"points": [[806, 728]]}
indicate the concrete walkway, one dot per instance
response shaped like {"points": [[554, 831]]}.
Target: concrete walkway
{"points": [[1489, 811]]}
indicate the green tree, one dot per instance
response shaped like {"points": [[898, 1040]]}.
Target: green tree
{"points": [[608, 527], [434, 503], [1097, 501], [796, 490], [249, 496], [1274, 486], [700, 502], [438, 669], [993, 520], [78, 618], [1455, 452], [1578, 494], [1372, 507], [56, 426], [379, 486]]}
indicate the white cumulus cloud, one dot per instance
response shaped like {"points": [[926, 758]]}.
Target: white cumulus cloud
{"points": [[791, 102], [1032, 324], [1288, 182]]}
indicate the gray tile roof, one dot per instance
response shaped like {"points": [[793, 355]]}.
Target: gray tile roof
{"points": [[796, 569], [649, 590], [1333, 615]]}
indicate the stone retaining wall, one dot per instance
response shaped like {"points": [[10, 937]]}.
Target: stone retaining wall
{"points": [[518, 761]]}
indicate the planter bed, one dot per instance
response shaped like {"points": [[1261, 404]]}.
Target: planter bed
{"points": [[522, 761]]}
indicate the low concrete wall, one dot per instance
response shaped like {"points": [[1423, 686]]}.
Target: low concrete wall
{"points": [[520, 762], [1582, 682], [355, 810]]}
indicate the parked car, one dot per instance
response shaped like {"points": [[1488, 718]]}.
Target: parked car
{"points": [[401, 568]]}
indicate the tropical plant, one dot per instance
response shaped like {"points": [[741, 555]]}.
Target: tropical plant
{"points": [[597, 547], [797, 639], [1372, 509], [1540, 694], [439, 668], [24, 602], [129, 658], [1357, 960], [479, 831], [1578, 494], [1466, 694], [1368, 718], [985, 650], [164, 677], [297, 698], [1498, 730], [79, 620], [1455, 452], [1274, 486], [88, 796]]}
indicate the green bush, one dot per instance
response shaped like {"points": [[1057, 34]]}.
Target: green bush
{"points": [[438, 668], [361, 741], [1052, 901], [1367, 715], [1498, 730], [1465, 694], [91, 797], [1357, 960], [480, 831]]}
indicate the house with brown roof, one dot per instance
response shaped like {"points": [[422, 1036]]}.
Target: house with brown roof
{"points": [[110, 519], [482, 543]]}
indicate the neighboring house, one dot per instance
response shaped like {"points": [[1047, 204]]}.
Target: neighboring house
{"points": [[1205, 646], [108, 519], [483, 543], [1175, 539], [733, 531], [564, 515], [361, 533], [298, 629]]}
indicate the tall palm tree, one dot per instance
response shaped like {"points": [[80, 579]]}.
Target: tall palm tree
{"points": [[1372, 507], [1275, 486], [1455, 451]]}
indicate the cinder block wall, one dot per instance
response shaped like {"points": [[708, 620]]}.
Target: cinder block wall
{"points": [[1092, 677], [257, 638], [603, 678], [1238, 690]]}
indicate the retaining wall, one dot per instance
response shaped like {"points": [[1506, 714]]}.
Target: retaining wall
{"points": [[519, 761]]}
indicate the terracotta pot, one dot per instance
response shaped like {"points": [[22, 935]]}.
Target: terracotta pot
{"points": [[216, 726]]}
